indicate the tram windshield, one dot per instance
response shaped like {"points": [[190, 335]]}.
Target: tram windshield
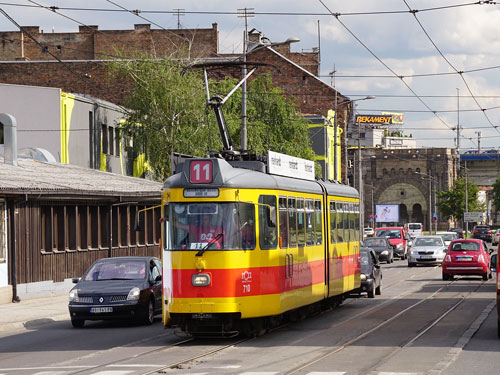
{"points": [[211, 226]]}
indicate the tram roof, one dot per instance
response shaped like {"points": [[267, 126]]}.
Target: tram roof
{"points": [[226, 175]]}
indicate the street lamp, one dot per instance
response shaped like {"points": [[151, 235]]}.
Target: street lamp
{"points": [[430, 177], [360, 178], [350, 118], [263, 43]]}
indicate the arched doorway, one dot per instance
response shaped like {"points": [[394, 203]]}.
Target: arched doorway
{"points": [[412, 202], [417, 214]]}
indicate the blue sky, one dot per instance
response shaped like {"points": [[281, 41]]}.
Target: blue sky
{"points": [[377, 38]]}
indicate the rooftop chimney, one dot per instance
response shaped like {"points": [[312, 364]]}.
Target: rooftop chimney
{"points": [[10, 138]]}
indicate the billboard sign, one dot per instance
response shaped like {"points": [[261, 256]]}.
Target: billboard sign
{"points": [[374, 119], [397, 118], [387, 213], [290, 166]]}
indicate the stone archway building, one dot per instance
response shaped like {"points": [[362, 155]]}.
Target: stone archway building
{"points": [[402, 177]]}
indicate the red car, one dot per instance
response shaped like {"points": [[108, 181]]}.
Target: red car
{"points": [[397, 237], [466, 257]]}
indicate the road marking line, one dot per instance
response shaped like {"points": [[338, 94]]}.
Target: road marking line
{"points": [[397, 373], [326, 373], [52, 373], [455, 351], [112, 372], [46, 368]]}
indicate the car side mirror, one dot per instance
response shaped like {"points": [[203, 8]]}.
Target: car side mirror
{"points": [[376, 265], [158, 278], [75, 280], [493, 263]]}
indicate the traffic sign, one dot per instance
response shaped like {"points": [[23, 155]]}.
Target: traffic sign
{"points": [[474, 216]]}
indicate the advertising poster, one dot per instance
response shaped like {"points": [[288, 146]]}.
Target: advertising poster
{"points": [[387, 213]]}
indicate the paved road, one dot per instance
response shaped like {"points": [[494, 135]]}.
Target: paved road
{"points": [[419, 325]]}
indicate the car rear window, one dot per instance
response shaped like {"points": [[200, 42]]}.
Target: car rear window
{"points": [[391, 233], [465, 246], [415, 226]]}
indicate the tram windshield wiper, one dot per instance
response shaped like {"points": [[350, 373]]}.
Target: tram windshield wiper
{"points": [[213, 241]]}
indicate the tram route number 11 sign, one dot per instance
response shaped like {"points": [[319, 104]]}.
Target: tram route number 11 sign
{"points": [[200, 172]]}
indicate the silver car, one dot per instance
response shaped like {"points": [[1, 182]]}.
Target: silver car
{"points": [[427, 250]]}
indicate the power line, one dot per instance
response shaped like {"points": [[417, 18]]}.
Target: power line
{"points": [[460, 73]]}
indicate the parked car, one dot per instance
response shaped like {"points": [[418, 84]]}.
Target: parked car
{"points": [[371, 273], [414, 229], [482, 232], [448, 237], [427, 250], [495, 236], [397, 237], [467, 257], [368, 232], [459, 231], [117, 288], [382, 248]]}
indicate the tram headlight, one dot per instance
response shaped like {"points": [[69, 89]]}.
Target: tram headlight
{"points": [[200, 279], [362, 277], [134, 294], [73, 295]]}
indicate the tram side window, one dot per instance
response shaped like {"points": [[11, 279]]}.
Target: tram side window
{"points": [[283, 217], [292, 222], [309, 222], [301, 224], [333, 223], [268, 236], [318, 223], [346, 223], [356, 222], [340, 222], [352, 226]]}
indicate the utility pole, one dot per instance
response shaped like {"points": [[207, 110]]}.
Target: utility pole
{"points": [[178, 13], [466, 199], [430, 205], [458, 132], [244, 13], [360, 182], [478, 141]]}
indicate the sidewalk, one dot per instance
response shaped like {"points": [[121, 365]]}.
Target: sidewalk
{"points": [[33, 312]]}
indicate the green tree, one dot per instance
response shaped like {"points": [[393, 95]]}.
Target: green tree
{"points": [[166, 111], [452, 202], [496, 194]]}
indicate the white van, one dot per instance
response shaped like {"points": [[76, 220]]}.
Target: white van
{"points": [[414, 229]]}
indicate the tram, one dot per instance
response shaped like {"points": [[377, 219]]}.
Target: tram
{"points": [[248, 240], [243, 247]]}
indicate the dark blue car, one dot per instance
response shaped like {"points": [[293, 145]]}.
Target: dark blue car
{"points": [[117, 288]]}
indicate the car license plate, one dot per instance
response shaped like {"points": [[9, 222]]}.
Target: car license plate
{"points": [[462, 259], [101, 310], [201, 316], [425, 256]]}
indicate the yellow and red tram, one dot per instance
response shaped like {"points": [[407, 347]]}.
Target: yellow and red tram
{"points": [[243, 247]]}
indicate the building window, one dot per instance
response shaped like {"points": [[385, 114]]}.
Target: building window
{"points": [[104, 139], [117, 142], [111, 141]]}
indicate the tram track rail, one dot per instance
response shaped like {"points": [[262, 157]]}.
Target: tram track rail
{"points": [[395, 351], [190, 359]]}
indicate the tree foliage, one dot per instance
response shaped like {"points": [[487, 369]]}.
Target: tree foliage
{"points": [[496, 193], [167, 113], [452, 202]]}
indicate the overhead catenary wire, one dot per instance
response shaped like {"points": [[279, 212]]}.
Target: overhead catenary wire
{"points": [[460, 73]]}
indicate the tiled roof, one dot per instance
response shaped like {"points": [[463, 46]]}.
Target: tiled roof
{"points": [[35, 177]]}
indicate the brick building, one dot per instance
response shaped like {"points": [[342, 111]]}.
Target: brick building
{"points": [[83, 56]]}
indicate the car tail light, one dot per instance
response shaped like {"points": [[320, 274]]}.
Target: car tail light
{"points": [[447, 258], [480, 258], [475, 231], [489, 232]]}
